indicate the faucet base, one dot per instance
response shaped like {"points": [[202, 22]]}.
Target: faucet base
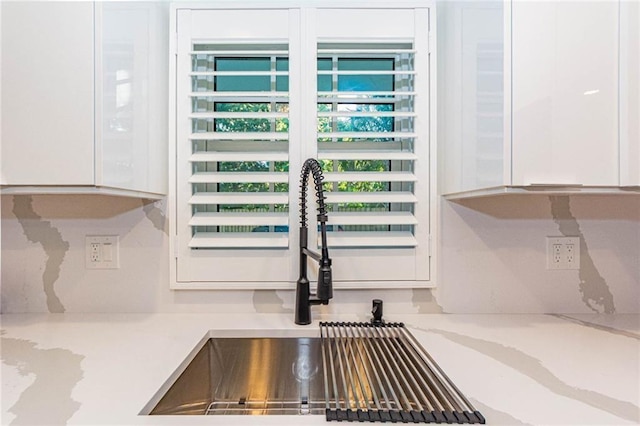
{"points": [[300, 322], [303, 307]]}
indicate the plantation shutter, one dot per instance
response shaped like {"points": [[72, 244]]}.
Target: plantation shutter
{"points": [[232, 196], [258, 91], [239, 138], [374, 139], [366, 139]]}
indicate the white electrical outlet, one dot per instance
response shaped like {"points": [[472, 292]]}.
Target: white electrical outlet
{"points": [[101, 252], [563, 252]]}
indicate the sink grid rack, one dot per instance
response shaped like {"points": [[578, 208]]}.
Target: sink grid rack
{"points": [[379, 372]]}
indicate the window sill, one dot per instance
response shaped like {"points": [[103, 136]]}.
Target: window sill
{"points": [[347, 285]]}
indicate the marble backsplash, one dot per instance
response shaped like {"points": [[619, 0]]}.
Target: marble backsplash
{"points": [[491, 259]]}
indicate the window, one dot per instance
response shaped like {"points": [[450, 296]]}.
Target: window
{"points": [[259, 91], [365, 142], [239, 146]]}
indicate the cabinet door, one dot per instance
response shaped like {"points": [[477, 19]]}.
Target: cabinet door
{"points": [[131, 95], [471, 87], [47, 93], [630, 94], [565, 93], [482, 100]]}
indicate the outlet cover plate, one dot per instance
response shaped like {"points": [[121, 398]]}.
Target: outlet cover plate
{"points": [[563, 253], [101, 252]]}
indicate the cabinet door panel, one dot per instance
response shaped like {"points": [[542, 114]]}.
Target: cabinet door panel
{"points": [[565, 93], [630, 94], [132, 80], [47, 93], [482, 100]]}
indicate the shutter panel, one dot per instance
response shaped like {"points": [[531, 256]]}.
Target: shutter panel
{"points": [[239, 137], [366, 142]]}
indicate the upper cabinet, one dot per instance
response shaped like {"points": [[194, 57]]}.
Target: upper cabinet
{"points": [[630, 94], [84, 98], [564, 93], [530, 97]]}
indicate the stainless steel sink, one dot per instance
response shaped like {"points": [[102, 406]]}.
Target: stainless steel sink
{"points": [[256, 375], [350, 371]]}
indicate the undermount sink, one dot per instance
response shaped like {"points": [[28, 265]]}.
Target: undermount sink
{"points": [[248, 373], [346, 371]]}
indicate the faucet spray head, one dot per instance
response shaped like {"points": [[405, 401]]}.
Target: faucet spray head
{"points": [[325, 281]]}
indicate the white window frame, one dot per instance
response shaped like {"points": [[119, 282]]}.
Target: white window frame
{"points": [[279, 266]]}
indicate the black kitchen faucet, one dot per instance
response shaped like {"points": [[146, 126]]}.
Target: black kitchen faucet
{"points": [[324, 290]]}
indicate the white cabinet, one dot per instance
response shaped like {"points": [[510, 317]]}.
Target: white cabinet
{"points": [[529, 97], [471, 95], [84, 98], [47, 93], [630, 94], [564, 91]]}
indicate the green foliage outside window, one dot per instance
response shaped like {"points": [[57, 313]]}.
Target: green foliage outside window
{"points": [[252, 125], [346, 124]]}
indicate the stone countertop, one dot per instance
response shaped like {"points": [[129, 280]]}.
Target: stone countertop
{"points": [[102, 369]]}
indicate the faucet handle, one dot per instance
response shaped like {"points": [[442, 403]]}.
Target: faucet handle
{"points": [[377, 312]]}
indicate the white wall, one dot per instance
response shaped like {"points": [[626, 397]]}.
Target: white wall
{"points": [[492, 259]]}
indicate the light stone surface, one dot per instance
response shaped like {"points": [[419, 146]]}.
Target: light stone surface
{"points": [[490, 259], [101, 369]]}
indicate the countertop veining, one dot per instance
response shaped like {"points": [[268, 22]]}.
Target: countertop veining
{"points": [[99, 369]]}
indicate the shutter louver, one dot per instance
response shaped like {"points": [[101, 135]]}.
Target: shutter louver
{"points": [[239, 138], [366, 142]]}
